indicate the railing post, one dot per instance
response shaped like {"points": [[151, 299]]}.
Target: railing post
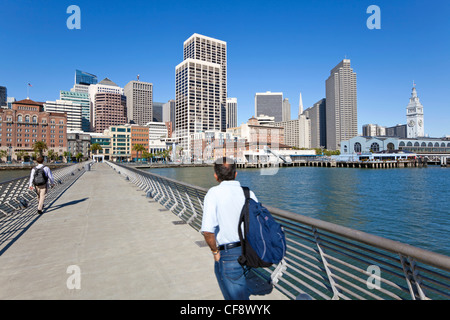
{"points": [[412, 277], [325, 265]]}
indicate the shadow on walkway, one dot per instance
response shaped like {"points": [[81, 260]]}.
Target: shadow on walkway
{"points": [[62, 205], [14, 226]]}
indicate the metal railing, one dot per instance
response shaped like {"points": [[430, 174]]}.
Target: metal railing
{"points": [[15, 194], [323, 260]]}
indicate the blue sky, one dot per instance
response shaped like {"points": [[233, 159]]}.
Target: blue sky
{"points": [[278, 46]]}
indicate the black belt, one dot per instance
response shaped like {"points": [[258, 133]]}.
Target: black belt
{"points": [[230, 246]]}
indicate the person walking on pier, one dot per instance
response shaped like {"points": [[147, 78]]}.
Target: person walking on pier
{"points": [[40, 179], [221, 211]]}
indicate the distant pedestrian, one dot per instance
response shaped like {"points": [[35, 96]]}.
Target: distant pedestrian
{"points": [[221, 211], [41, 179]]}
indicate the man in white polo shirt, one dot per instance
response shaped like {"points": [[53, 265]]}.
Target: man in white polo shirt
{"points": [[221, 211]]}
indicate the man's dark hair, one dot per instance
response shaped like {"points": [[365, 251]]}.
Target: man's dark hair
{"points": [[225, 169], [40, 159]]}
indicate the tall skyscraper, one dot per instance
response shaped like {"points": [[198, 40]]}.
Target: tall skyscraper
{"points": [[201, 90], [158, 111], [269, 104], [286, 112], [212, 50], [139, 102], [169, 112], [341, 106], [231, 112], [300, 105], [414, 116], [316, 114], [3, 96]]}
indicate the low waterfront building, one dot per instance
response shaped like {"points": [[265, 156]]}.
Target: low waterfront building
{"points": [[104, 140], [120, 142], [424, 146], [254, 132]]}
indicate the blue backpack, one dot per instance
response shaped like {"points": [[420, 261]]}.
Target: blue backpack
{"points": [[263, 241]]}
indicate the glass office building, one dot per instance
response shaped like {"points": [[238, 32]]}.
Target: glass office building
{"points": [[82, 77]]}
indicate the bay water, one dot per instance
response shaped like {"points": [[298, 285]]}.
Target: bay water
{"points": [[410, 205]]}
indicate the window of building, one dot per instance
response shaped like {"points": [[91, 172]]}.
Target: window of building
{"points": [[375, 147], [357, 147]]}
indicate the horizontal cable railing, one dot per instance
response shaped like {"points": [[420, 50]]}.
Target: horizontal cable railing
{"points": [[323, 260], [16, 195]]}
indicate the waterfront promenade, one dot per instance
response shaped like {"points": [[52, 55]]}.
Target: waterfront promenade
{"points": [[124, 244]]}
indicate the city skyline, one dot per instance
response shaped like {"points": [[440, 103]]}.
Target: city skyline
{"points": [[291, 53]]}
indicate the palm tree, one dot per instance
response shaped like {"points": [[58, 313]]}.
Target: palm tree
{"points": [[40, 146], [146, 155], [3, 154], [20, 155], [138, 148], [51, 154], [96, 147]]}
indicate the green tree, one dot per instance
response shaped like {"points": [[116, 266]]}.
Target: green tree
{"points": [[79, 156], [40, 147], [67, 155]]}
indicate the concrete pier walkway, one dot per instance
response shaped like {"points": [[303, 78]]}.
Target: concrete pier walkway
{"points": [[103, 239]]}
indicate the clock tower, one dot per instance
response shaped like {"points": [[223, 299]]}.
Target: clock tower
{"points": [[414, 116]]}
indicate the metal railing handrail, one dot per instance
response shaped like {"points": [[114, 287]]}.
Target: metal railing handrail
{"points": [[324, 260], [15, 194], [429, 257]]}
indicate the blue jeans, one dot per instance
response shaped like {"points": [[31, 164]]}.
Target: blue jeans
{"points": [[230, 275]]}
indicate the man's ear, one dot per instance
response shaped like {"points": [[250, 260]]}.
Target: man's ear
{"points": [[235, 175], [215, 176]]}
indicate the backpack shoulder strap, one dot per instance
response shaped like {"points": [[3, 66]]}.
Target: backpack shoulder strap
{"points": [[246, 192], [244, 218]]}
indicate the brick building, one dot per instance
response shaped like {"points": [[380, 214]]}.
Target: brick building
{"points": [[139, 135], [27, 123]]}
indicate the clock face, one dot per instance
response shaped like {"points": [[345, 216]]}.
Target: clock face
{"points": [[411, 123]]}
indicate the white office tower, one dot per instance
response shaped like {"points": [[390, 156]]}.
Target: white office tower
{"points": [[201, 89], [341, 108], [414, 116], [139, 102], [269, 104], [231, 112]]}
